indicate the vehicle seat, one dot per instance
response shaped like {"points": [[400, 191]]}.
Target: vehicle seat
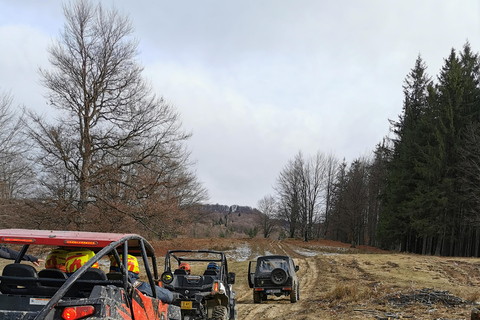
{"points": [[83, 286], [211, 272], [114, 276], [30, 285], [209, 275], [94, 274], [52, 274], [180, 272]]}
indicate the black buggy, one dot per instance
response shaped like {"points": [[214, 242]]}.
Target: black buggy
{"points": [[204, 294], [273, 275]]}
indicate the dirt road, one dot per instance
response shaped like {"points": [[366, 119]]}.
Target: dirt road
{"points": [[360, 286], [337, 282], [282, 308]]}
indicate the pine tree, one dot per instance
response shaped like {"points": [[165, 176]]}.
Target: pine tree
{"points": [[402, 179], [448, 109], [436, 204]]}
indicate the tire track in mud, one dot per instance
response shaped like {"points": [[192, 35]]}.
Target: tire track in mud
{"points": [[308, 278], [273, 247], [283, 249], [281, 307], [276, 247]]}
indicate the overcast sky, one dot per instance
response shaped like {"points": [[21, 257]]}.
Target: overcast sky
{"points": [[257, 81]]}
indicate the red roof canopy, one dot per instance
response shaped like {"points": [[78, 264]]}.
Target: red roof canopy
{"points": [[59, 238]]}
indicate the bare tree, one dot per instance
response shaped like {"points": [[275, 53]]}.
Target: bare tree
{"points": [[16, 175], [301, 188], [332, 165], [313, 184], [268, 209], [288, 191], [115, 140]]}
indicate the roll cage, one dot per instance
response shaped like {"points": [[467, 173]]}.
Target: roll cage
{"points": [[101, 243], [177, 256]]}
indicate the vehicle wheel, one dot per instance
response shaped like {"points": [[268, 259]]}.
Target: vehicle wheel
{"points": [[235, 316], [257, 298], [298, 292], [220, 313], [278, 276], [294, 294]]}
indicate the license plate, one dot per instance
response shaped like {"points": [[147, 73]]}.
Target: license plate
{"points": [[186, 305], [273, 291]]}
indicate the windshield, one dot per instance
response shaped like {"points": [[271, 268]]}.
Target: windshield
{"points": [[268, 265]]}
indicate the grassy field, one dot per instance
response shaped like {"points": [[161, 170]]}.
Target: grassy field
{"points": [[337, 282]]}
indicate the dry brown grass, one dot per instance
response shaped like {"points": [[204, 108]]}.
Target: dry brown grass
{"points": [[347, 293], [344, 283]]}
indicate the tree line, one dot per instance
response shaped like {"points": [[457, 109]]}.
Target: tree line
{"points": [[111, 155], [419, 189]]}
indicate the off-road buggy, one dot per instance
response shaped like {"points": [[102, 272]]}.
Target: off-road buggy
{"points": [[88, 293], [204, 294], [273, 275]]}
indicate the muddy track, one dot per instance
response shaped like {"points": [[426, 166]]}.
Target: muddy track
{"points": [[281, 307], [338, 282], [277, 247]]}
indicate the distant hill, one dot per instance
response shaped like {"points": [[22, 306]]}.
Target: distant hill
{"points": [[216, 220], [227, 209]]}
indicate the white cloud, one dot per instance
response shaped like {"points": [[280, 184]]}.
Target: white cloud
{"points": [[25, 53], [257, 81]]}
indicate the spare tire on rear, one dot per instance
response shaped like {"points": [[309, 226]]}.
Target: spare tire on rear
{"points": [[278, 276]]}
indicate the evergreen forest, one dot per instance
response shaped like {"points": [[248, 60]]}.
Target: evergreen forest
{"points": [[430, 198], [115, 158], [419, 192]]}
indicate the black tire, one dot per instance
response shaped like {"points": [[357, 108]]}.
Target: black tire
{"points": [[278, 276], [294, 294], [220, 313], [235, 316], [257, 297], [298, 292], [233, 309]]}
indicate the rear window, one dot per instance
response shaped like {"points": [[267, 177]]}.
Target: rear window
{"points": [[267, 265]]}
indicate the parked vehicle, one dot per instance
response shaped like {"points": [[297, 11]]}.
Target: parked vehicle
{"points": [[273, 275], [87, 293], [207, 292]]}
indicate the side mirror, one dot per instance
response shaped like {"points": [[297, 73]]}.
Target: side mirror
{"points": [[167, 277], [231, 278], [297, 268]]}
